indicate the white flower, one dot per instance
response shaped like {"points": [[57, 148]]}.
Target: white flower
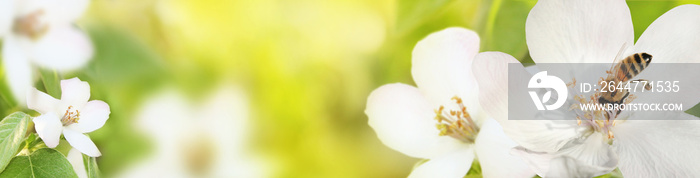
{"points": [[41, 32], [411, 120], [658, 144], [76, 161], [208, 139], [73, 116]]}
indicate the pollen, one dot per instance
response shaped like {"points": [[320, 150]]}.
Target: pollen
{"points": [[599, 120], [30, 25], [457, 124], [70, 117]]}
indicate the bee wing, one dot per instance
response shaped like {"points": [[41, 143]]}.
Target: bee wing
{"points": [[618, 56]]}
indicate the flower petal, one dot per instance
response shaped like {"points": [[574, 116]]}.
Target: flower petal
{"points": [[538, 161], [493, 151], [49, 128], [81, 142], [455, 164], [74, 92], [490, 70], [577, 31], [62, 48], [76, 160], [65, 11], [41, 102], [590, 156], [403, 120], [54, 13], [586, 158], [92, 117], [17, 68], [225, 117], [168, 106], [565, 166], [441, 66], [541, 135], [27, 7], [672, 38], [659, 148]]}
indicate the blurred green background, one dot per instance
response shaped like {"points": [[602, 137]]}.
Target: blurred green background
{"points": [[307, 67]]}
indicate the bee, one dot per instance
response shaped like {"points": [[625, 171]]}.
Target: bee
{"points": [[622, 72]]}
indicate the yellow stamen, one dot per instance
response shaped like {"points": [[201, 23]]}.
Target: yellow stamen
{"points": [[456, 123], [70, 117]]}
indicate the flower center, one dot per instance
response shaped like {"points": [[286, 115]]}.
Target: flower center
{"points": [[199, 155], [70, 117], [30, 25], [457, 124]]}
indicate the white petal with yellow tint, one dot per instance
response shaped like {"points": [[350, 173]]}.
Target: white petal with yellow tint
{"points": [[62, 48], [81, 142], [533, 132], [578, 31], [49, 128], [667, 147], [441, 66], [404, 121], [673, 38], [41, 102], [452, 165], [75, 93], [18, 69], [76, 160], [92, 117], [590, 156], [493, 149]]}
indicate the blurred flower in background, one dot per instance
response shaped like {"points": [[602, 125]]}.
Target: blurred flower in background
{"points": [[41, 33], [197, 138]]}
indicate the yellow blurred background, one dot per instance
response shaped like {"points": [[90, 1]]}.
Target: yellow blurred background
{"points": [[303, 67]]}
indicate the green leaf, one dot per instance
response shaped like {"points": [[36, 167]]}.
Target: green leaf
{"points": [[412, 13], [645, 12], [91, 166], [7, 100], [12, 130], [52, 82], [502, 26], [475, 170], [33, 142], [44, 162]]}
